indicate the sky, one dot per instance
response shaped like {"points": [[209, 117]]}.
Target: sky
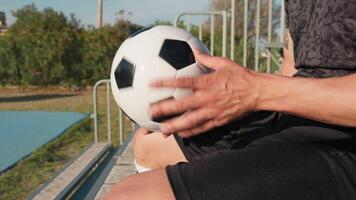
{"points": [[144, 12]]}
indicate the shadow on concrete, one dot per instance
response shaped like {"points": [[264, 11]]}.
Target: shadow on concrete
{"points": [[37, 97]]}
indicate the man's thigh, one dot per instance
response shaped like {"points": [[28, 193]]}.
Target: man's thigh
{"points": [[278, 171], [154, 151], [152, 185], [238, 133]]}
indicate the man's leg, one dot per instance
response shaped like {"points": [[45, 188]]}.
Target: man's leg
{"points": [[152, 185], [153, 151], [278, 171]]}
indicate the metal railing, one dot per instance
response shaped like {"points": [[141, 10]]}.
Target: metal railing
{"points": [[108, 113], [257, 49], [212, 14], [269, 45]]}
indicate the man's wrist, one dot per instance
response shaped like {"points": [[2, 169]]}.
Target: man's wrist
{"points": [[272, 92]]}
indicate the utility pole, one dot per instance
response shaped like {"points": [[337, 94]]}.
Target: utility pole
{"points": [[99, 19]]}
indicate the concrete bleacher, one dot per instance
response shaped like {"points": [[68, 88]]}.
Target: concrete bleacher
{"points": [[71, 175], [124, 166]]}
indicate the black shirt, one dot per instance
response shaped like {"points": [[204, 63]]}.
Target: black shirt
{"points": [[324, 36]]}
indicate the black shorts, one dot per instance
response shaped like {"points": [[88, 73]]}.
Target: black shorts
{"points": [[267, 156]]}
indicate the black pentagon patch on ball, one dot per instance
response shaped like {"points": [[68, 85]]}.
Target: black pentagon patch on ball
{"points": [[177, 53], [124, 74], [140, 31]]}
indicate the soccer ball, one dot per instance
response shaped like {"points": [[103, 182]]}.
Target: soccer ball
{"points": [[160, 52]]}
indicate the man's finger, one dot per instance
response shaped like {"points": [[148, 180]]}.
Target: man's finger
{"points": [[195, 131], [188, 121], [172, 106], [185, 82], [212, 62], [194, 83]]}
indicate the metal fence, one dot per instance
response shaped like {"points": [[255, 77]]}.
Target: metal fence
{"points": [[212, 15], [230, 13], [121, 125]]}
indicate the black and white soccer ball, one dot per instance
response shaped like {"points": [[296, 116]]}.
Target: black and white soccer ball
{"points": [[159, 52]]}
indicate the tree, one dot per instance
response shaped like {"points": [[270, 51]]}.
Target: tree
{"points": [[120, 15], [38, 42], [46, 48]]}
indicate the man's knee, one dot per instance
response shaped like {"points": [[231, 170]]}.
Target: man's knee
{"points": [[144, 150], [152, 185], [153, 150], [124, 190]]}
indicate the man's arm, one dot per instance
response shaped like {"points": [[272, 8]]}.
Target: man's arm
{"points": [[329, 100], [232, 91], [288, 63]]}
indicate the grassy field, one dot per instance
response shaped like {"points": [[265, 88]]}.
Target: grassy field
{"points": [[30, 173]]}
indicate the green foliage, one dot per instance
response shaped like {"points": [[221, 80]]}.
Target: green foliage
{"points": [[160, 22], [99, 49], [45, 48]]}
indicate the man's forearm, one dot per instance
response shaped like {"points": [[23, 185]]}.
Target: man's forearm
{"points": [[330, 100]]}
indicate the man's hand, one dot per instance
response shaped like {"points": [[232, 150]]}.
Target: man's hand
{"points": [[219, 97]]}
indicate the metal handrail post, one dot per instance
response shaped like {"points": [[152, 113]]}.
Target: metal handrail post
{"points": [[108, 110], [245, 33], [224, 32], [269, 37], [232, 41], [200, 32], [212, 34], [96, 115], [188, 23], [283, 25], [257, 42], [121, 128], [133, 126]]}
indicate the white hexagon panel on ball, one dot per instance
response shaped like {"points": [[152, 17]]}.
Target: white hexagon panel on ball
{"points": [[153, 69], [171, 32], [190, 71], [143, 46], [134, 106]]}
